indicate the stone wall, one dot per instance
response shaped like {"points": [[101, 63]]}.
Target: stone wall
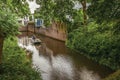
{"points": [[22, 29], [50, 32]]}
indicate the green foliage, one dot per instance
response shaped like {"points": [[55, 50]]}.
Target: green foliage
{"points": [[8, 23], [104, 10], [46, 10], [57, 10], [98, 42], [9, 10], [20, 7], [114, 76], [15, 66]]}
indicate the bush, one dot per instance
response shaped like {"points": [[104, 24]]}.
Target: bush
{"points": [[8, 23], [15, 66], [98, 42]]}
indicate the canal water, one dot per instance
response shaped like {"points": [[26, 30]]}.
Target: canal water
{"points": [[55, 61]]}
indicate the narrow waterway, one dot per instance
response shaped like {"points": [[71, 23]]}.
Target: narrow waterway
{"points": [[56, 62]]}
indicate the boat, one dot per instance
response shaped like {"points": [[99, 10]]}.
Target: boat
{"points": [[37, 42]]}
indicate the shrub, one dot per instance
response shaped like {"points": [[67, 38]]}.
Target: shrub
{"points": [[15, 66], [98, 42]]}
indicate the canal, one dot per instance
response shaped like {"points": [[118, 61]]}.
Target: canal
{"points": [[55, 61]]}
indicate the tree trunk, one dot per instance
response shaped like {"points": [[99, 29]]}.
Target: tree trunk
{"points": [[84, 11], [1, 47]]}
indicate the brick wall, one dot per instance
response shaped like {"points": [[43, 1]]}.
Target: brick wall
{"points": [[52, 32]]}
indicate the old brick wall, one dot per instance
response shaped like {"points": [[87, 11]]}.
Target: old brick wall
{"points": [[52, 32]]}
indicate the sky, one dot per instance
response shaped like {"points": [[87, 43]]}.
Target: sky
{"points": [[33, 5]]}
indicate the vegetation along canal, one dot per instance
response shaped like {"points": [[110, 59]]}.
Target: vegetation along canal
{"points": [[55, 61]]}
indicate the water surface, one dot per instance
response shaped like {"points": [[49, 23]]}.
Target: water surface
{"points": [[56, 62]]}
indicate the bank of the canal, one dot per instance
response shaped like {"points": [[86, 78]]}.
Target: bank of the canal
{"points": [[56, 62]]}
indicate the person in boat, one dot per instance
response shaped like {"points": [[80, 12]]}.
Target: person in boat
{"points": [[34, 37]]}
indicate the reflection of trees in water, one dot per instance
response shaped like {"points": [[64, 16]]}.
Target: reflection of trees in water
{"points": [[42, 48], [45, 51], [88, 75], [58, 47], [24, 42], [59, 67]]}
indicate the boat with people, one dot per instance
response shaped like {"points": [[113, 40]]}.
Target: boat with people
{"points": [[35, 40]]}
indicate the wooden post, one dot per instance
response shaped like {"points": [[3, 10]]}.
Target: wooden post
{"points": [[1, 47]]}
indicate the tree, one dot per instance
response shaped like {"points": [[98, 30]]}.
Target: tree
{"points": [[57, 10], [20, 7], [9, 10], [101, 39], [106, 11]]}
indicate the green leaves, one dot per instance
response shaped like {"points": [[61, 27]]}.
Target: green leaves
{"points": [[15, 66], [98, 42], [20, 7], [104, 10], [55, 10], [9, 10], [8, 22]]}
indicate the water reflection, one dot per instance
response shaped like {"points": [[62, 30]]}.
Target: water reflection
{"points": [[85, 74], [56, 67]]}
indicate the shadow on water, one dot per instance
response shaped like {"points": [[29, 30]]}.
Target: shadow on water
{"points": [[56, 62]]}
